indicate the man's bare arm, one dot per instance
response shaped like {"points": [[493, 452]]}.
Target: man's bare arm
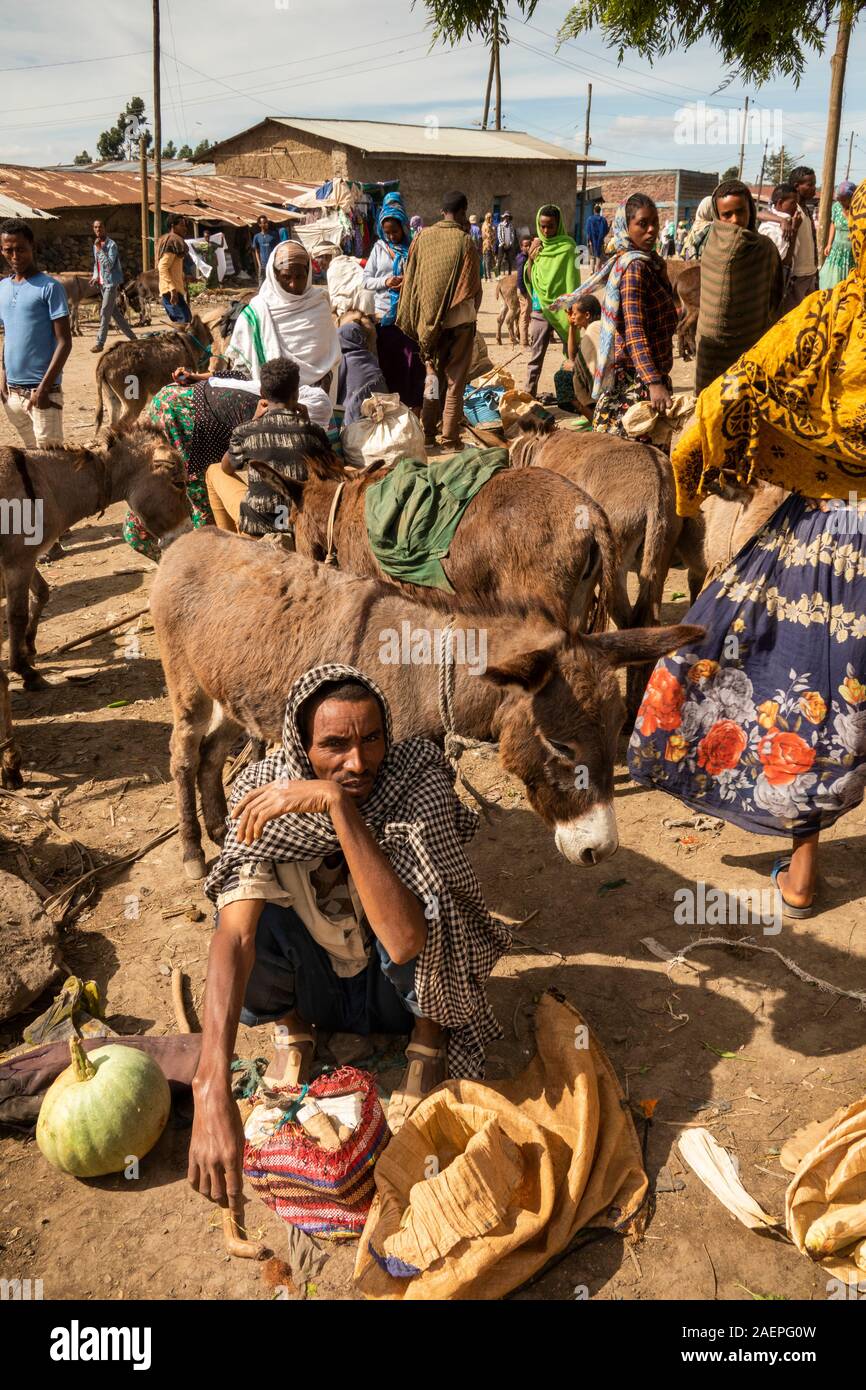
{"points": [[216, 1147]]}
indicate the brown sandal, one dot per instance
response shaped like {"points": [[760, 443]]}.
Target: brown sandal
{"points": [[293, 1057], [411, 1091]]}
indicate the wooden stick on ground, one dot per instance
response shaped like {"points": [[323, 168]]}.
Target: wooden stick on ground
{"points": [[95, 632], [177, 1001]]}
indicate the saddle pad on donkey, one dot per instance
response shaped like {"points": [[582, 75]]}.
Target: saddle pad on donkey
{"points": [[413, 513]]}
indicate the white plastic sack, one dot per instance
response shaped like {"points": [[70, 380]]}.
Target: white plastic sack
{"points": [[388, 431], [346, 287]]}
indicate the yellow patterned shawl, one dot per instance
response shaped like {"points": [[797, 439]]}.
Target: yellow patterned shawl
{"points": [[791, 410]]}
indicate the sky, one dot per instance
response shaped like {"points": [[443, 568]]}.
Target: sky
{"points": [[66, 70]]}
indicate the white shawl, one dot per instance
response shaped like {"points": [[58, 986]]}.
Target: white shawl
{"points": [[277, 324]]}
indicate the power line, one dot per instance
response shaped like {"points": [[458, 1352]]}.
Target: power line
{"points": [[75, 62]]}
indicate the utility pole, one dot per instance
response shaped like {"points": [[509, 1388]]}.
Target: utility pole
{"points": [[761, 175], [743, 139], [486, 116], [157, 133], [145, 231], [838, 65], [781, 178], [586, 144], [850, 148], [497, 58]]}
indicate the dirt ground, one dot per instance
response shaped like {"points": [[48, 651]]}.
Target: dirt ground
{"points": [[731, 1040]]}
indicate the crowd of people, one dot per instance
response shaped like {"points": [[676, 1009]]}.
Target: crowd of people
{"points": [[320, 919]]}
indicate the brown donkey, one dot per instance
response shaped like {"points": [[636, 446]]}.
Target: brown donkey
{"points": [[534, 542], [45, 491], [238, 621]]}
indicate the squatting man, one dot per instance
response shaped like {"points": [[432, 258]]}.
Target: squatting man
{"points": [[345, 903]]}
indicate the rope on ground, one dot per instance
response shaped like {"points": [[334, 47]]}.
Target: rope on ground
{"points": [[678, 957]]}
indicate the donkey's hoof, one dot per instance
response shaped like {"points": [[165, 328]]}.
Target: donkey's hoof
{"points": [[11, 779], [33, 681], [194, 868]]}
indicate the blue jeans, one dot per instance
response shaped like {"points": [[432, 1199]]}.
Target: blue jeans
{"points": [[179, 312], [109, 311], [293, 972]]}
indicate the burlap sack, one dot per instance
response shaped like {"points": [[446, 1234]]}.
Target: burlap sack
{"points": [[484, 1184]]}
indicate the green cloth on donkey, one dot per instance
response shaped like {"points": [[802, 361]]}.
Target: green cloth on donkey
{"points": [[413, 512]]}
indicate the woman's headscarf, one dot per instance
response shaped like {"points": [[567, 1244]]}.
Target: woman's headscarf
{"points": [[700, 229], [421, 827], [554, 272], [278, 324], [790, 411], [392, 207], [609, 278]]}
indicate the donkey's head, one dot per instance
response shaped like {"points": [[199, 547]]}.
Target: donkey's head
{"points": [[144, 469], [309, 502], [559, 732]]}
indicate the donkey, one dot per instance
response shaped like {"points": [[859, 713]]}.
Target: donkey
{"points": [[45, 491], [238, 621], [685, 278], [140, 292], [538, 542], [509, 314], [130, 373], [10, 757], [78, 287]]}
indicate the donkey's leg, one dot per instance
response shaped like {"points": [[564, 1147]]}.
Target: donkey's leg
{"points": [[192, 712], [10, 758], [39, 594], [18, 582], [213, 753]]}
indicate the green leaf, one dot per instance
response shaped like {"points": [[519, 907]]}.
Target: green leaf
{"points": [[676, 596], [115, 704], [611, 885], [312, 1290], [729, 1056]]}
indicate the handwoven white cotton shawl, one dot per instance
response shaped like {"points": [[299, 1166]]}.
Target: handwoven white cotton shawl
{"points": [[277, 324]]}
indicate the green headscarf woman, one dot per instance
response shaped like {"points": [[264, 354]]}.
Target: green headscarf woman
{"points": [[552, 269]]}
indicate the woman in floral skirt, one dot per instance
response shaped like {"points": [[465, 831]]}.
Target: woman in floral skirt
{"points": [[763, 722]]}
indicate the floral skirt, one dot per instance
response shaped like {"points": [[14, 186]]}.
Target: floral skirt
{"points": [[173, 413], [763, 722], [627, 389]]}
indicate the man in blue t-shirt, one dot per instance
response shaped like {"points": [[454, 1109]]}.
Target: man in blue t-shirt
{"points": [[38, 339], [264, 242]]}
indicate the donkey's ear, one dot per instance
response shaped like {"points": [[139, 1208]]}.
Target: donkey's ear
{"points": [[290, 489], [525, 662], [633, 646]]}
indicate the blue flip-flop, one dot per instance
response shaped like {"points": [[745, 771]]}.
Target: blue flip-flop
{"points": [[788, 909]]}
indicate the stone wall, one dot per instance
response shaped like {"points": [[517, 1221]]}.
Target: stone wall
{"points": [[66, 243], [273, 151]]}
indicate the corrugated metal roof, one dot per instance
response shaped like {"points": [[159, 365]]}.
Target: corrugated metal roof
{"points": [[448, 142], [209, 197], [10, 207]]}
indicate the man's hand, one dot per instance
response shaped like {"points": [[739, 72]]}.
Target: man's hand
{"points": [[173, 297], [216, 1151], [660, 398], [254, 810], [40, 397]]}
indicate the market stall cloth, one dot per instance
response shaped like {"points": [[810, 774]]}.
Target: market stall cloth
{"points": [[325, 231], [520, 1168]]}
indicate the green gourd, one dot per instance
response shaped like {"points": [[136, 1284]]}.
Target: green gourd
{"points": [[108, 1106]]}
